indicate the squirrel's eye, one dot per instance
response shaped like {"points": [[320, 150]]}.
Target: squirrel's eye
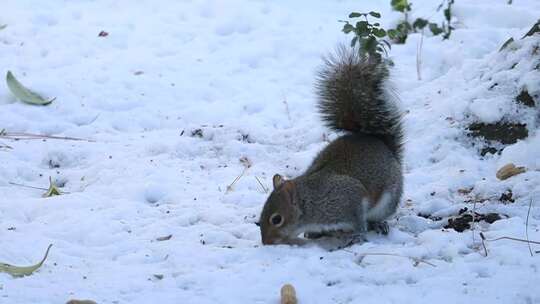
{"points": [[276, 219]]}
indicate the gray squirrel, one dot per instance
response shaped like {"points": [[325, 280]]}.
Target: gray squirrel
{"points": [[356, 182]]}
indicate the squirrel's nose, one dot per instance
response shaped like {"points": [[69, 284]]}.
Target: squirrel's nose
{"points": [[268, 240]]}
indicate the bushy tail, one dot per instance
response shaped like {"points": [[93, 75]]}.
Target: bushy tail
{"points": [[354, 96]]}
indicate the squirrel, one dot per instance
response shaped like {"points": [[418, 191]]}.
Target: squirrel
{"points": [[355, 182]]}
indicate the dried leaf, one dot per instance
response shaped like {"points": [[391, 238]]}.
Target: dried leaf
{"points": [[164, 238], [20, 271], [53, 189], [509, 170], [81, 302], [23, 93]]}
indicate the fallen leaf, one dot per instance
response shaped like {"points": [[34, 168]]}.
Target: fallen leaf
{"points": [[81, 302], [53, 189], [21, 271], [23, 93], [164, 238], [509, 170]]}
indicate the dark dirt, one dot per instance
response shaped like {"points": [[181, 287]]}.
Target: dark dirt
{"points": [[430, 217], [197, 133], [506, 197], [463, 221], [487, 150], [525, 98], [503, 132]]}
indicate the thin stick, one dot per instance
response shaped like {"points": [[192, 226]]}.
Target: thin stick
{"points": [[287, 109], [229, 187], [416, 260], [527, 227], [510, 238], [473, 218], [22, 136], [26, 186], [3, 145], [483, 244], [263, 187], [32, 187], [419, 56]]}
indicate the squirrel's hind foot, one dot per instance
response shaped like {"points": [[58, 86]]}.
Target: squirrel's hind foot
{"points": [[379, 227]]}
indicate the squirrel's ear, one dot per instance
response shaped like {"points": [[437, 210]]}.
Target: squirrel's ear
{"points": [[277, 180]]}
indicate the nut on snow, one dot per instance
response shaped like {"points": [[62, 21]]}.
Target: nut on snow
{"points": [[288, 294], [509, 170]]}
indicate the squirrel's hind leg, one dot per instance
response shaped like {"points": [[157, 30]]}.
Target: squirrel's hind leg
{"points": [[360, 227], [379, 227]]}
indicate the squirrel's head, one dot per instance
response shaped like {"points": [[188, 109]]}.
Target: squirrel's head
{"points": [[280, 213]]}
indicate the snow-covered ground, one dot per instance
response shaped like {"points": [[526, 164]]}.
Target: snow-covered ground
{"points": [[181, 96]]}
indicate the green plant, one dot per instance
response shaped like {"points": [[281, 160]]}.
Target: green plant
{"points": [[369, 36], [401, 6], [446, 27], [403, 28]]}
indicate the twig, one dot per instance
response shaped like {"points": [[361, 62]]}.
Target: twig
{"points": [[419, 56], [26, 186], [527, 227], [23, 136], [473, 218], [512, 239], [4, 146], [415, 260], [287, 109], [483, 244], [262, 186], [32, 187], [505, 238], [229, 187]]}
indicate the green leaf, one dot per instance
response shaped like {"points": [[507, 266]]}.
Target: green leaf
{"points": [[400, 5], [53, 189], [375, 14], [23, 93], [420, 23], [380, 33], [370, 44], [392, 33], [404, 27], [435, 29], [355, 15], [3, 26], [347, 28], [21, 271], [447, 14], [354, 40], [362, 28]]}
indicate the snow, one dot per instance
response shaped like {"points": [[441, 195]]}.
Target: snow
{"points": [[179, 92]]}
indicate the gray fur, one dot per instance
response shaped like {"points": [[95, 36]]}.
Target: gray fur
{"points": [[357, 179]]}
